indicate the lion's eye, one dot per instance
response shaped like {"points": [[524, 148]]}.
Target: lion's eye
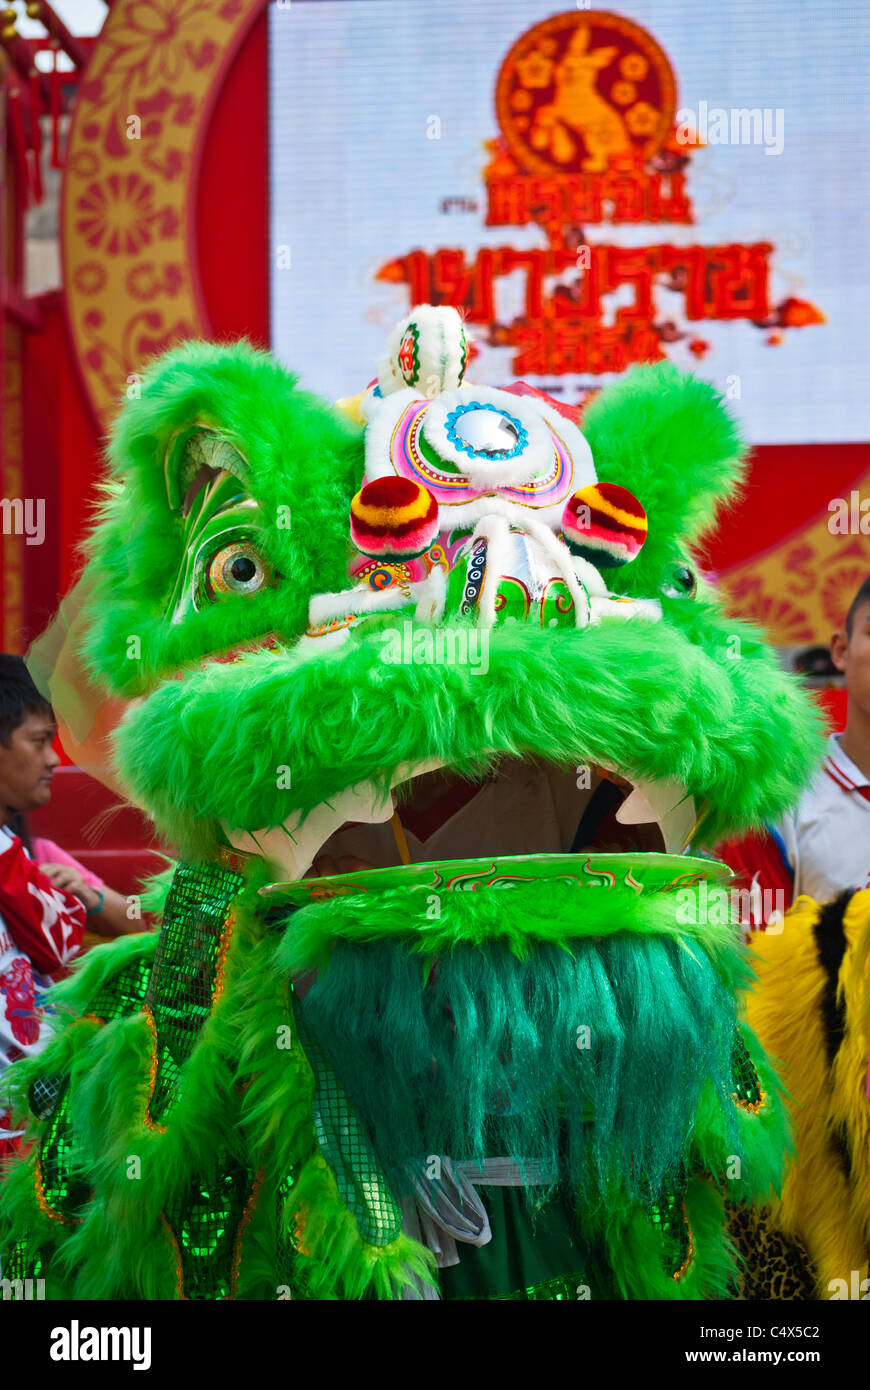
{"points": [[238, 569], [682, 582]]}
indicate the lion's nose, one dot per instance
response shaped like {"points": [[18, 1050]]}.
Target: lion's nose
{"points": [[504, 575]]}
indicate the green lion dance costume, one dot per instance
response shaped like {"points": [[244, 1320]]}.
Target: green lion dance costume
{"points": [[427, 696]]}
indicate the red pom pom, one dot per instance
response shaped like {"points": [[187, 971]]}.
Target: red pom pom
{"points": [[393, 519], [605, 524]]}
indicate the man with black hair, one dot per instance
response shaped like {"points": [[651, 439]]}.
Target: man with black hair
{"points": [[43, 909], [823, 846]]}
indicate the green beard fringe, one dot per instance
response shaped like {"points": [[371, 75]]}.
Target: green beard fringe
{"points": [[646, 1110], [589, 1055]]}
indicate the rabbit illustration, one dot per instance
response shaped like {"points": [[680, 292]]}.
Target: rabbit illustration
{"points": [[578, 108]]}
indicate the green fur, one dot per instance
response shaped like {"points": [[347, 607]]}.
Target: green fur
{"points": [[155, 888], [121, 1248], [649, 716], [667, 438], [634, 1251], [301, 454], [521, 919], [574, 1037], [102, 963], [495, 991]]}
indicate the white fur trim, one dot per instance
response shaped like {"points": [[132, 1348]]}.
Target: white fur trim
{"points": [[314, 644], [495, 530], [591, 578], [575, 442], [615, 607], [382, 416], [438, 350], [431, 594], [324, 607]]}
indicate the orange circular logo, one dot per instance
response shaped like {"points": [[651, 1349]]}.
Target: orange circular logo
{"points": [[582, 88]]}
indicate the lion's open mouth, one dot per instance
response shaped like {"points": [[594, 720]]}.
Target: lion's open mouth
{"points": [[518, 808]]}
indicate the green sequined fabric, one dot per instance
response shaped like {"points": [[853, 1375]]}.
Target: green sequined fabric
{"points": [[668, 1216], [22, 1262], [285, 1265], [183, 978], [124, 993], [44, 1095], [564, 1289], [204, 1222], [344, 1145], [744, 1078], [63, 1192]]}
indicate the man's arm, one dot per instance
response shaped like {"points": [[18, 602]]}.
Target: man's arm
{"points": [[107, 910], [44, 922]]}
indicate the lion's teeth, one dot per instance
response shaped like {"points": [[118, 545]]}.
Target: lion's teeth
{"points": [[665, 802], [294, 844]]}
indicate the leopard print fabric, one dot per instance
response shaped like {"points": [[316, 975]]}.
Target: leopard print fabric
{"points": [[773, 1267]]}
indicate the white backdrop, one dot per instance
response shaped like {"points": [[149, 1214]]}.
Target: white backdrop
{"points": [[355, 182]]}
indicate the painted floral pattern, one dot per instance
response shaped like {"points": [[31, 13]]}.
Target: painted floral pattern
{"points": [[141, 114], [800, 590]]}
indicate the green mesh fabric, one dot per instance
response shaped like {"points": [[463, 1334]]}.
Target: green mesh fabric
{"points": [[122, 994], [745, 1084], [183, 978], [343, 1143], [63, 1192], [204, 1222]]}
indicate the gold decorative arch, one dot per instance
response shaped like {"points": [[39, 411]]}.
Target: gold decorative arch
{"points": [[129, 193]]}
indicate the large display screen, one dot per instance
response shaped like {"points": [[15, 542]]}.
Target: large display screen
{"points": [[592, 187]]}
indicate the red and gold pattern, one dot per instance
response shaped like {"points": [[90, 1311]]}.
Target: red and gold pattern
{"points": [[130, 185], [800, 589]]}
